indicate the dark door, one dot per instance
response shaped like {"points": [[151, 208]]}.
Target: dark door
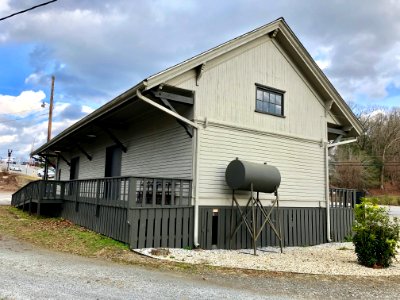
{"points": [[74, 169], [112, 169], [113, 161]]}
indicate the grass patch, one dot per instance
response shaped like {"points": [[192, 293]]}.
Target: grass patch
{"points": [[62, 235], [56, 233], [344, 248], [385, 200]]}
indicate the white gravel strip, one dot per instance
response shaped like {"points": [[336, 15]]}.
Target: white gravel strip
{"points": [[327, 259]]}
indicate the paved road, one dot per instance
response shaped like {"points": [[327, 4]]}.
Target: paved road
{"points": [[27, 272], [31, 273], [394, 211], [5, 198]]}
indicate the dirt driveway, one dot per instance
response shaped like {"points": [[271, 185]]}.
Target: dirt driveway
{"points": [[27, 272]]}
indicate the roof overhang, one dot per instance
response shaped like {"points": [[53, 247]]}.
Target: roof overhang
{"points": [[117, 114]]}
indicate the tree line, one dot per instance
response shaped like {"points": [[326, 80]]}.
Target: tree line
{"points": [[374, 160]]}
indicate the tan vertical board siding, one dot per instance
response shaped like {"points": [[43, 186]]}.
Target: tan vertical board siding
{"points": [[158, 148], [226, 93]]}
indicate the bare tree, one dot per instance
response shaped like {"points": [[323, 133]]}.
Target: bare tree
{"points": [[383, 137]]}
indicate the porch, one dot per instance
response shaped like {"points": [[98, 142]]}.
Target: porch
{"points": [[142, 212], [157, 212]]}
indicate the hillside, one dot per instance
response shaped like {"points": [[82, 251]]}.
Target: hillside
{"points": [[11, 182]]}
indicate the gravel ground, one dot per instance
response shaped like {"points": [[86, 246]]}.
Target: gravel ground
{"points": [[326, 259], [28, 272]]}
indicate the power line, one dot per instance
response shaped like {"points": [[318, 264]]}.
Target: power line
{"points": [[28, 9]]}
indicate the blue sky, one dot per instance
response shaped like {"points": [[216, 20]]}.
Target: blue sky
{"points": [[98, 49]]}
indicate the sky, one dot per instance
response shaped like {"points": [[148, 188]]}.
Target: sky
{"points": [[99, 49]]}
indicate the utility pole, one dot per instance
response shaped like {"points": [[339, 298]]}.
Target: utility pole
{"points": [[51, 109], [46, 165], [9, 158]]}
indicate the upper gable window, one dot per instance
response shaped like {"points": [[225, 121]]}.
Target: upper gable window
{"points": [[269, 101]]}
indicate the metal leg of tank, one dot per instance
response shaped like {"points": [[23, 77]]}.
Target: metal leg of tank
{"points": [[278, 220], [243, 217], [251, 224]]}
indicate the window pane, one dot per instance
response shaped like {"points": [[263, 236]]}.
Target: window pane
{"points": [[278, 99], [278, 110], [272, 98], [259, 106], [259, 95], [271, 108], [265, 107], [266, 96]]}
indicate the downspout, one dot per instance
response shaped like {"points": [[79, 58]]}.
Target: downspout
{"points": [[196, 146], [166, 110], [196, 189], [328, 204], [328, 107]]}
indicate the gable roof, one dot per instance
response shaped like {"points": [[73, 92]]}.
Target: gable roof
{"points": [[282, 33]]}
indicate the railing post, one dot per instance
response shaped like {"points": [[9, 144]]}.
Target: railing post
{"points": [[42, 192], [132, 193], [131, 206], [97, 197], [76, 195], [62, 192]]}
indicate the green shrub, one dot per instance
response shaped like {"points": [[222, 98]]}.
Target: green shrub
{"points": [[376, 236]]}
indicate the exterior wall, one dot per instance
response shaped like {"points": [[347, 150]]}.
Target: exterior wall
{"points": [[300, 162], [225, 104], [155, 149], [226, 91]]}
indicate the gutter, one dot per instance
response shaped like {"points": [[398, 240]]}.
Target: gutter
{"points": [[166, 110], [341, 143], [196, 146]]}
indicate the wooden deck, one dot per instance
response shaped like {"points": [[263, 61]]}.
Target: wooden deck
{"points": [[142, 212]]}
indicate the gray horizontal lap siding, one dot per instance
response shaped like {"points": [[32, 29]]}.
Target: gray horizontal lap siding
{"points": [[154, 150], [301, 164]]}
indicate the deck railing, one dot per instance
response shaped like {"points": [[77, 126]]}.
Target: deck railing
{"points": [[342, 198], [141, 211], [147, 191], [43, 191]]}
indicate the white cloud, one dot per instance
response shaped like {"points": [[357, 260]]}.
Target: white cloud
{"points": [[87, 109], [4, 6], [8, 138], [34, 78], [59, 107], [22, 105]]}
